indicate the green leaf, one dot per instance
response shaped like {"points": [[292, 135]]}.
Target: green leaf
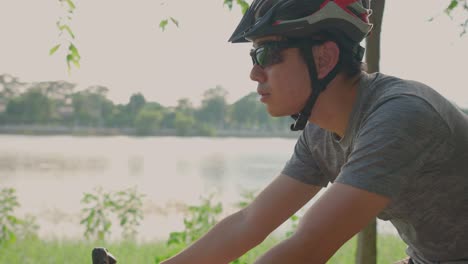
{"points": [[68, 29], [12, 219], [175, 21], [452, 5], [71, 5], [244, 5], [294, 218], [228, 3], [69, 60], [54, 49], [12, 238], [74, 52], [107, 225], [70, 32], [72, 59], [163, 24], [123, 221]]}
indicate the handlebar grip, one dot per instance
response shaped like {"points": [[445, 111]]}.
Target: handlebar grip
{"points": [[102, 256]]}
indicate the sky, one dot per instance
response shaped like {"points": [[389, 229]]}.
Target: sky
{"points": [[123, 48]]}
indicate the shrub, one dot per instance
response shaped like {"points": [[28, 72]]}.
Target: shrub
{"points": [[126, 205]]}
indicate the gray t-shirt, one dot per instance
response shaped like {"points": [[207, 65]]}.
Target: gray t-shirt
{"points": [[406, 142]]}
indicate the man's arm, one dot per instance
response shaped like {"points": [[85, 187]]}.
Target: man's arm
{"points": [[245, 229], [339, 214]]}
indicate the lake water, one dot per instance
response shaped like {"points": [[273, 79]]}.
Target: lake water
{"points": [[52, 173]]}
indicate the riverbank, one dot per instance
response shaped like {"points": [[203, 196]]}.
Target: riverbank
{"points": [[53, 130], [390, 249]]}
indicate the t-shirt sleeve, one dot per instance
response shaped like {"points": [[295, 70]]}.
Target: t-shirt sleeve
{"points": [[302, 165], [392, 144]]}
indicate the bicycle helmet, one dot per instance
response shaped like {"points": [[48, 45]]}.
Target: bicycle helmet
{"points": [[344, 21]]}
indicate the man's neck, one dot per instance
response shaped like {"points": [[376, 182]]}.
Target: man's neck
{"points": [[333, 108]]}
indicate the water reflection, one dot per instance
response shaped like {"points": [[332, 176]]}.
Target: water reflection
{"points": [[213, 171], [52, 173], [136, 165], [31, 162]]}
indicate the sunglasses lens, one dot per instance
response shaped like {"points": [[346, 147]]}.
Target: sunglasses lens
{"points": [[260, 56], [267, 55]]}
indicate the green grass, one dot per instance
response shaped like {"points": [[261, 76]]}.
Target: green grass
{"points": [[390, 249]]}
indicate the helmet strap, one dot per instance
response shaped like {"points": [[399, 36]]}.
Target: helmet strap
{"points": [[317, 86]]}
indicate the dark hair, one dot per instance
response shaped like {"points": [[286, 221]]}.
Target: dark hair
{"points": [[348, 63]]}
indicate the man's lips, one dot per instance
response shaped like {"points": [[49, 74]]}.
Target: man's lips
{"points": [[263, 94], [264, 97]]}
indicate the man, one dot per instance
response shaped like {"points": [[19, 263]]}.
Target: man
{"points": [[391, 148]]}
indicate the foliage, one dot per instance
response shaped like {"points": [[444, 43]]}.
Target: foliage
{"points": [[12, 227], [247, 196], [136, 103], [97, 220], [197, 222], [214, 107], [458, 5], [242, 3], [202, 218], [294, 219], [31, 107], [163, 24], [27, 228], [126, 205], [390, 249], [56, 103], [91, 107], [8, 222], [66, 34], [73, 56], [147, 121], [183, 123]]}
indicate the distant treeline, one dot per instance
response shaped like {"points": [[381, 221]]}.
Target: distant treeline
{"points": [[56, 108], [57, 104]]}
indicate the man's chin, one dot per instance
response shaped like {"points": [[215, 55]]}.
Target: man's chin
{"points": [[278, 113]]}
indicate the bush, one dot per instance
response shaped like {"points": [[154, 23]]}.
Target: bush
{"points": [[12, 227], [126, 205]]}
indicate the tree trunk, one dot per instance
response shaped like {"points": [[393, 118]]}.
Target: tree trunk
{"points": [[373, 41], [366, 252]]}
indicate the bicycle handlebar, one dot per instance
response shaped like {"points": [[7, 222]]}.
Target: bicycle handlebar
{"points": [[102, 256]]}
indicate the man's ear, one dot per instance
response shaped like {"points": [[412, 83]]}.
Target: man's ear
{"points": [[326, 57]]}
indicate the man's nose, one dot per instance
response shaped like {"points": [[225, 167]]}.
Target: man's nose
{"points": [[257, 74]]}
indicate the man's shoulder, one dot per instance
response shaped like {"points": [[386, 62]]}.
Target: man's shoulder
{"points": [[380, 85], [384, 88]]}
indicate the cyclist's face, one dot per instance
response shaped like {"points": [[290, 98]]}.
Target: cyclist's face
{"points": [[283, 84]]}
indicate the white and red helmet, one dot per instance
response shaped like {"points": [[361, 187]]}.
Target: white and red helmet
{"points": [[302, 18]]}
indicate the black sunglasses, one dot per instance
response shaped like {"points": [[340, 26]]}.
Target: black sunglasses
{"points": [[269, 53]]}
